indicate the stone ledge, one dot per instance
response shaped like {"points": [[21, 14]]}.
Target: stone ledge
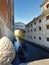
{"points": [[39, 62]]}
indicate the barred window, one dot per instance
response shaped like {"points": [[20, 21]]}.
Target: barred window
{"points": [[47, 17], [35, 23], [39, 38], [47, 39], [34, 37], [39, 28], [47, 26], [40, 21], [35, 29], [47, 6]]}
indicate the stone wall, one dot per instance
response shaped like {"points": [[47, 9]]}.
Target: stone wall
{"points": [[4, 30]]}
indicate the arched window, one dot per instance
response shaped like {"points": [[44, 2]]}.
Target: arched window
{"points": [[0, 33], [47, 6]]}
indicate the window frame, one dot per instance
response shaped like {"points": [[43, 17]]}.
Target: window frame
{"points": [[35, 29], [34, 37], [39, 28], [39, 38], [47, 39], [34, 23], [40, 21], [47, 26], [47, 17]]}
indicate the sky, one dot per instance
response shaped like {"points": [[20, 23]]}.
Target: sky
{"points": [[26, 10]]}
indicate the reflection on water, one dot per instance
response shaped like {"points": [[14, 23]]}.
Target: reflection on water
{"points": [[20, 54], [17, 44]]}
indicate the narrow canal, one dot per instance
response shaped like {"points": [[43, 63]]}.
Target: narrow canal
{"points": [[26, 52]]}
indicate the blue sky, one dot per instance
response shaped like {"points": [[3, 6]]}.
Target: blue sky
{"points": [[26, 10]]}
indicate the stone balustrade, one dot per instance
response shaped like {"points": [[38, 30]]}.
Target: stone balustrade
{"points": [[7, 51]]}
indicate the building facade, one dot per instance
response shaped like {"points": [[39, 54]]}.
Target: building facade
{"points": [[6, 16], [37, 30]]}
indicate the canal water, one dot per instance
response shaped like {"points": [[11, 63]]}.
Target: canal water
{"points": [[27, 52]]}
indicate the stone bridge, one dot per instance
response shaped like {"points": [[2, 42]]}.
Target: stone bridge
{"points": [[19, 29], [19, 26]]}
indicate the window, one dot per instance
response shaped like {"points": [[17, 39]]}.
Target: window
{"points": [[39, 28], [31, 24], [47, 6], [35, 23], [39, 38], [47, 39], [31, 30], [34, 29], [34, 37], [47, 26], [40, 21], [47, 17], [31, 37]]}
